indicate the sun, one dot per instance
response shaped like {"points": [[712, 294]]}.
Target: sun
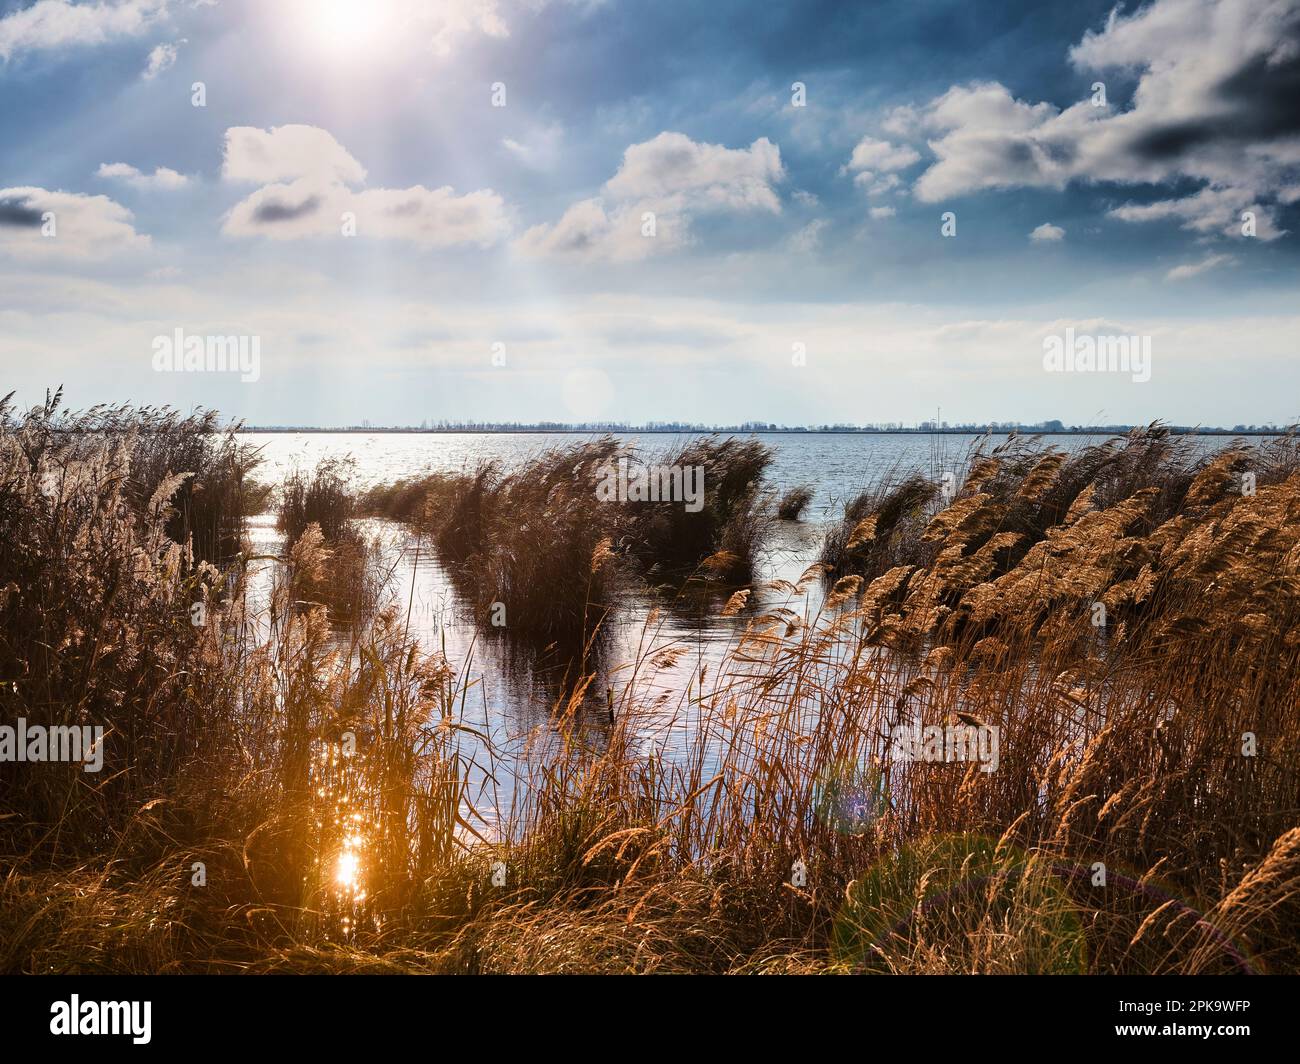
{"points": [[346, 27]]}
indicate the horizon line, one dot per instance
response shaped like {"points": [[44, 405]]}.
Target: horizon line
{"points": [[1051, 428]]}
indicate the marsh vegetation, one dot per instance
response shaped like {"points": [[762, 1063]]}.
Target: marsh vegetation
{"points": [[302, 790]]}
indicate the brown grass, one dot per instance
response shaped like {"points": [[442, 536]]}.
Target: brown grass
{"points": [[539, 541], [794, 502], [1121, 746], [321, 506]]}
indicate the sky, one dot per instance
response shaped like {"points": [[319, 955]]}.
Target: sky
{"points": [[571, 210]]}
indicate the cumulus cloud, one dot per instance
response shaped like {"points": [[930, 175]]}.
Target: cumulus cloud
{"points": [[162, 179], [51, 24], [1047, 233], [877, 185], [882, 212], [674, 169], [1194, 269], [1214, 103], [871, 154], [988, 140], [286, 153], [901, 121], [35, 222], [587, 230], [308, 185], [661, 185], [874, 165]]}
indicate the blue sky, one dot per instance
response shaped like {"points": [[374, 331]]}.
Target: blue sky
{"points": [[796, 270]]}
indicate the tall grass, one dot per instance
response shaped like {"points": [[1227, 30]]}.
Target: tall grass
{"points": [[98, 579], [208, 506], [539, 541], [340, 795], [321, 506], [794, 502], [729, 527], [322, 497]]}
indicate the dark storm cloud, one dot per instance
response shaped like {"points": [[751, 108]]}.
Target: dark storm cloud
{"points": [[1170, 142], [1267, 95], [16, 214], [1260, 101]]}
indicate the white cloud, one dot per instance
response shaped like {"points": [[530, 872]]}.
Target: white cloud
{"points": [[671, 177], [287, 153], [1194, 269], [1047, 233], [162, 58], [1211, 211], [901, 121], [52, 24], [877, 185], [162, 179], [87, 227], [672, 168], [875, 164], [307, 188], [588, 231], [1214, 103], [989, 140], [882, 212], [872, 154], [432, 217]]}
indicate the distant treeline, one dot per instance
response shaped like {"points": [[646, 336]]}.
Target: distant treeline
{"points": [[1043, 427]]}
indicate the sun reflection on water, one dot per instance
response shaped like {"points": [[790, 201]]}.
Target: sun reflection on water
{"points": [[343, 833]]}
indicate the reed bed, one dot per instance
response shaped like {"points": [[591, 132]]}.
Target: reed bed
{"points": [[540, 552], [338, 794], [794, 502], [322, 506]]}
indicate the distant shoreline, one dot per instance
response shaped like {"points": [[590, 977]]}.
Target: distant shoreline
{"points": [[999, 430]]}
